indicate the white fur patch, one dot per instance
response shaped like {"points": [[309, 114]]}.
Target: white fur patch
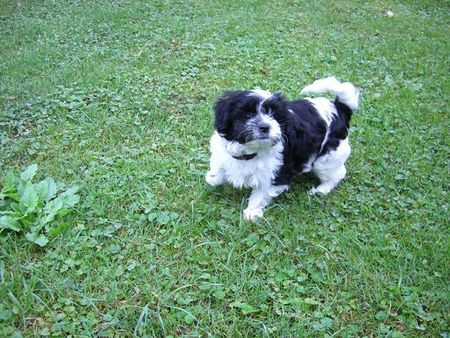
{"points": [[330, 168], [258, 172], [345, 92], [324, 107]]}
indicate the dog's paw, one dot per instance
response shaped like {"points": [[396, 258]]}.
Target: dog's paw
{"points": [[312, 191], [319, 190], [213, 179], [252, 214]]}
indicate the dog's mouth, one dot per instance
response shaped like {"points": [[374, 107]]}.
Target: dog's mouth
{"points": [[275, 140], [262, 136], [263, 141], [272, 140], [269, 137]]}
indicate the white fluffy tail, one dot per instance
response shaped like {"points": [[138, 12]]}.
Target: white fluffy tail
{"points": [[345, 92]]}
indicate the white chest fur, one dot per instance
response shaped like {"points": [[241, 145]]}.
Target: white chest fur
{"points": [[256, 172]]}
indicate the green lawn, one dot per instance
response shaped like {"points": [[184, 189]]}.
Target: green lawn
{"points": [[116, 97]]}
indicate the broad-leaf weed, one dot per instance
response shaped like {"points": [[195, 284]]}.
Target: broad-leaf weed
{"points": [[34, 209]]}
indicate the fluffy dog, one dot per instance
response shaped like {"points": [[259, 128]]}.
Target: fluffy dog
{"points": [[263, 140]]}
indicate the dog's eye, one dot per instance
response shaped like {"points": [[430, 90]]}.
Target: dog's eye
{"points": [[247, 116]]}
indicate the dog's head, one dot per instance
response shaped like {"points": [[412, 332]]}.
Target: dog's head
{"points": [[249, 117]]}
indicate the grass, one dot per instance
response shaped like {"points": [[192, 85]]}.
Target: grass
{"points": [[115, 97]]}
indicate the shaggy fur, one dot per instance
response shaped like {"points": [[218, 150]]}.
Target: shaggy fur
{"points": [[263, 140]]}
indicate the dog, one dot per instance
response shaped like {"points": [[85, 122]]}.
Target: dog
{"points": [[262, 140]]}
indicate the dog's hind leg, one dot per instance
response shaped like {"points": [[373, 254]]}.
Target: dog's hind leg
{"points": [[259, 199], [329, 179], [330, 168]]}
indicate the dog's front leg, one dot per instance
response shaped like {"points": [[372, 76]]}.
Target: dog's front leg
{"points": [[259, 198], [216, 175]]}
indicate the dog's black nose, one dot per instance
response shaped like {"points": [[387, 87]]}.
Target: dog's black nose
{"points": [[264, 128]]}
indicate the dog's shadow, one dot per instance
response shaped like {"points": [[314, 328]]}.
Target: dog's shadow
{"points": [[301, 184], [230, 196]]}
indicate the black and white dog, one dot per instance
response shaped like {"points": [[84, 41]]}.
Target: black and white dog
{"points": [[262, 140]]}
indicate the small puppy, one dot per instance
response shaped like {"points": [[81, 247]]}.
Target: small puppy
{"points": [[263, 140]]}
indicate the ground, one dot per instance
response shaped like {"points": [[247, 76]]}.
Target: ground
{"points": [[116, 98]]}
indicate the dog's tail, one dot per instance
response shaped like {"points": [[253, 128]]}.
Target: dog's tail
{"points": [[345, 92]]}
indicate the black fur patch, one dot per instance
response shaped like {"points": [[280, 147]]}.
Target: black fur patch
{"points": [[338, 128], [304, 131], [232, 112]]}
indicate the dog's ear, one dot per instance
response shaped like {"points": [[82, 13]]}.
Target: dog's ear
{"points": [[224, 109], [277, 104]]}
